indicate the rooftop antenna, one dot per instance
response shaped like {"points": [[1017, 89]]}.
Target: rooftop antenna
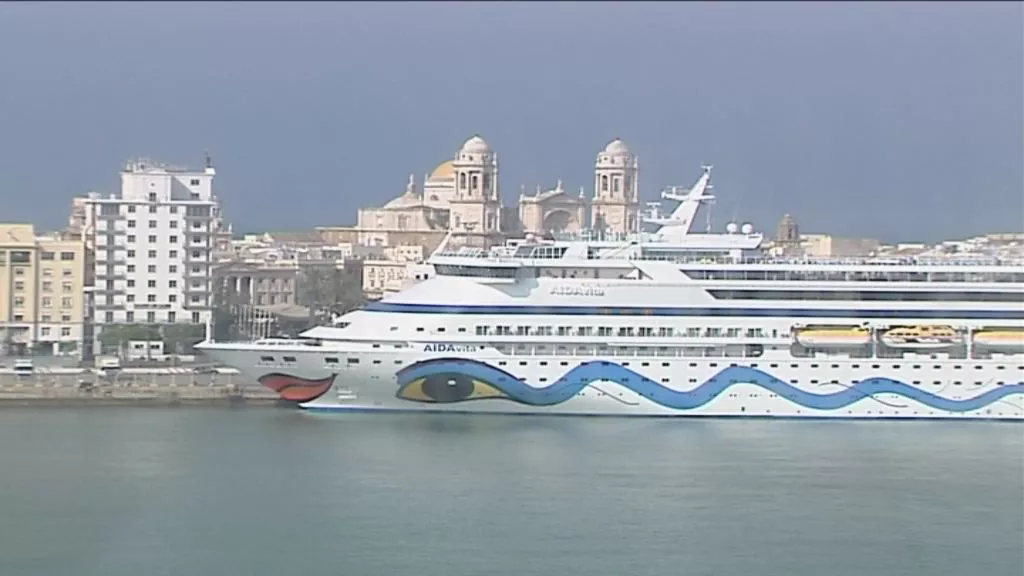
{"points": [[209, 161]]}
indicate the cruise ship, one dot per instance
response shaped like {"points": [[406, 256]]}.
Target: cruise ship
{"points": [[668, 323]]}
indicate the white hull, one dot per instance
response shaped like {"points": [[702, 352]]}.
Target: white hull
{"points": [[782, 387]]}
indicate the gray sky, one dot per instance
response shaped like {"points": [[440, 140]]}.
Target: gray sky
{"points": [[902, 121]]}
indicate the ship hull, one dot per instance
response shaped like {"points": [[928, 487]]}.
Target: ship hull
{"points": [[487, 382]]}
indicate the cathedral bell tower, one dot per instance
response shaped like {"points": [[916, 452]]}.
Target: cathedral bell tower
{"points": [[476, 205], [616, 205]]}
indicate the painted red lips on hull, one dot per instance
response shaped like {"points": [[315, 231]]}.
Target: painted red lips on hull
{"points": [[295, 389]]}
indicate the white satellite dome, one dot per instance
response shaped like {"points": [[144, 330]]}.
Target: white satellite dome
{"points": [[747, 228], [732, 227]]}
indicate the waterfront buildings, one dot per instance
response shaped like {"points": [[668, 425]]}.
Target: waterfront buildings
{"points": [[42, 281], [153, 245]]}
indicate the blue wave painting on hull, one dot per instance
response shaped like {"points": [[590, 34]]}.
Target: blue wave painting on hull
{"points": [[447, 380]]}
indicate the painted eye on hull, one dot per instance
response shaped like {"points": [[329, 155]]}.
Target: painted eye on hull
{"points": [[447, 389]]}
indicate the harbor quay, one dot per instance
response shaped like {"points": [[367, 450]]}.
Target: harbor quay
{"points": [[135, 388]]}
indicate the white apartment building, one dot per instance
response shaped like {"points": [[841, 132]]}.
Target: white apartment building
{"points": [[153, 245]]}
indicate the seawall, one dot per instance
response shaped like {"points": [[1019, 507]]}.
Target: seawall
{"points": [[138, 390]]}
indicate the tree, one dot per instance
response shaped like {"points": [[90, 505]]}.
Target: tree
{"points": [[113, 337], [180, 338], [225, 302], [325, 290]]}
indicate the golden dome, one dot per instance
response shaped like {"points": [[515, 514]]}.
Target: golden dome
{"points": [[444, 171]]}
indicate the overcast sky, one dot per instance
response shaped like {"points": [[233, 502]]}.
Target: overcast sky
{"points": [[902, 121]]}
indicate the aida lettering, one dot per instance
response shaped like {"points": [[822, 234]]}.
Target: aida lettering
{"points": [[577, 291], [448, 348]]}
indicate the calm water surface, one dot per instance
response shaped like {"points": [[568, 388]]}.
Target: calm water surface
{"points": [[192, 491]]}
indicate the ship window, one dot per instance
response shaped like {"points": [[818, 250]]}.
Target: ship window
{"points": [[266, 358], [289, 358], [937, 367], [376, 361], [353, 360], [874, 366], [398, 361], [855, 366], [543, 363], [1000, 367], [522, 363], [543, 379], [977, 367], [330, 360], [462, 328], [376, 345], [502, 363], [394, 328], [773, 365], [916, 366], [664, 380], [419, 328], [440, 328], [814, 365], [895, 366], [664, 364]]}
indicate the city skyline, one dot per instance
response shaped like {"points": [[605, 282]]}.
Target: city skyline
{"points": [[894, 121]]}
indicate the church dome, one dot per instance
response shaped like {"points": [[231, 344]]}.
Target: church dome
{"points": [[616, 148], [476, 145], [444, 172], [407, 200]]}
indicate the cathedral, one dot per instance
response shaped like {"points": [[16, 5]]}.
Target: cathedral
{"points": [[462, 195]]}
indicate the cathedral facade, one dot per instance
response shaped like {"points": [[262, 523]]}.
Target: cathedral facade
{"points": [[462, 195]]}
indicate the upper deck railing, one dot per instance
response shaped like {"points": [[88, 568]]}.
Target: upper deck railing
{"points": [[481, 258]]}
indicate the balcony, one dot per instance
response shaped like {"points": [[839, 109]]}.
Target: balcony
{"points": [[107, 275], [104, 264]]}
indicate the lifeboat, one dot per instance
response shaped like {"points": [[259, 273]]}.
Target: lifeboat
{"points": [[921, 337], [821, 337], [1000, 339]]}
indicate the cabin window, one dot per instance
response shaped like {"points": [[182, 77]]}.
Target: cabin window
{"points": [[353, 360], [289, 358], [266, 358], [330, 360]]}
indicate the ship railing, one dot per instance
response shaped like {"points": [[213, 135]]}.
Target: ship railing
{"points": [[763, 261]]}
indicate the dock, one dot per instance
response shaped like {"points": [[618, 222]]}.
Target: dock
{"points": [[137, 388]]}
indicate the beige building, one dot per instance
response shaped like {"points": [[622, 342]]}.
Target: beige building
{"points": [[258, 284], [553, 211], [382, 277], [463, 195], [828, 246], [43, 281]]}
